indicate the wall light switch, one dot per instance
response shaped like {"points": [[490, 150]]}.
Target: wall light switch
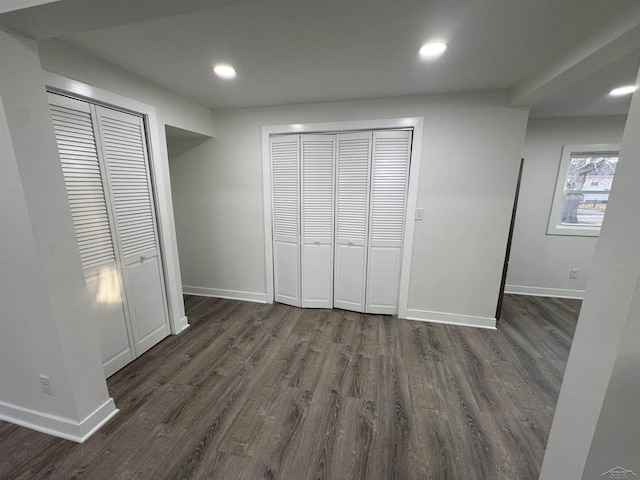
{"points": [[419, 213]]}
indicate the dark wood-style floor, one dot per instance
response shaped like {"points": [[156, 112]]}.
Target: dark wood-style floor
{"points": [[255, 391]]}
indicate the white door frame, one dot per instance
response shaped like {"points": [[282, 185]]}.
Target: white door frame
{"points": [[159, 171], [340, 127]]}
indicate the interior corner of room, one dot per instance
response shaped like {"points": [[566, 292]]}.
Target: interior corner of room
{"points": [[131, 179]]}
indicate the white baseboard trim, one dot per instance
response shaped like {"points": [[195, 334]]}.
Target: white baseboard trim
{"points": [[181, 325], [220, 293], [544, 292], [117, 362], [451, 319], [57, 426]]}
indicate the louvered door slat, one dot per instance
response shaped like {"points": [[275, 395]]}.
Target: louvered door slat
{"points": [[352, 211], [129, 180], [83, 180], [317, 220], [285, 164], [389, 180]]}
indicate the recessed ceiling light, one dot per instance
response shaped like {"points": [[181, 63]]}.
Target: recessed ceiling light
{"points": [[626, 90], [433, 49], [224, 71]]}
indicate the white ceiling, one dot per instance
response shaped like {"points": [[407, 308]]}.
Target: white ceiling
{"points": [[301, 51]]}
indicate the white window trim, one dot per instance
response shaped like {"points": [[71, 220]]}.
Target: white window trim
{"points": [[554, 227], [412, 195]]}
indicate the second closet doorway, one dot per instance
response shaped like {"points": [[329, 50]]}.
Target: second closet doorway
{"points": [[339, 203]]}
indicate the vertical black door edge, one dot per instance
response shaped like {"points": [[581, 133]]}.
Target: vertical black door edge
{"points": [[509, 240]]}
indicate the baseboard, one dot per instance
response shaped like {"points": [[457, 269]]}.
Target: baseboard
{"points": [[114, 364], [451, 319], [57, 426], [544, 292], [231, 294], [181, 325]]}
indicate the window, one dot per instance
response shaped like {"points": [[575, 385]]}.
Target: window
{"points": [[584, 181]]}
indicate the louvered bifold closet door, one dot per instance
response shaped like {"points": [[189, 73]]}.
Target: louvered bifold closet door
{"points": [[83, 176], [124, 147], [285, 173], [352, 219], [318, 158], [389, 182]]}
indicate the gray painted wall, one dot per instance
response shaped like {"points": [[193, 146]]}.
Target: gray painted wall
{"points": [[540, 263]]}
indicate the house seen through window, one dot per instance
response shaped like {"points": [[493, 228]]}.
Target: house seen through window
{"points": [[584, 181]]}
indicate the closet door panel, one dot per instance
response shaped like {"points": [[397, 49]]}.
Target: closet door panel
{"points": [[352, 213], [317, 220], [124, 148], [83, 175], [143, 281], [285, 166], [318, 275], [105, 290], [287, 272], [389, 180], [83, 178], [349, 281], [383, 281]]}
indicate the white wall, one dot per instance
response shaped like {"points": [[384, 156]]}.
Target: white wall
{"points": [[45, 306], [616, 440], [24, 305], [540, 263], [595, 426], [471, 149]]}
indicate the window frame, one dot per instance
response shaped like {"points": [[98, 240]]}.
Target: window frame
{"points": [[568, 151]]}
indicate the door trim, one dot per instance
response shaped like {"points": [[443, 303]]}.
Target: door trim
{"points": [[415, 123]]}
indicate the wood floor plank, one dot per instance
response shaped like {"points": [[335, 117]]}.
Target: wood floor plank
{"points": [[253, 391], [354, 445], [279, 440]]}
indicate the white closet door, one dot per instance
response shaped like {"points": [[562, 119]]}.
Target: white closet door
{"points": [[83, 176], [352, 215], [389, 180], [318, 158], [124, 148], [285, 166]]}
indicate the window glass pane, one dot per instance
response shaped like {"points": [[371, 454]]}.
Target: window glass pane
{"points": [[586, 188]]}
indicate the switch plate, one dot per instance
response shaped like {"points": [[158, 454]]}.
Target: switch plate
{"points": [[574, 273], [419, 213]]}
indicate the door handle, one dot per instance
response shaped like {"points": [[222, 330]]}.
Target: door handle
{"points": [[142, 258], [351, 243]]}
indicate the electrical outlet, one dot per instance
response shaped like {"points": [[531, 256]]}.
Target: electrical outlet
{"points": [[574, 273], [45, 384], [419, 213]]}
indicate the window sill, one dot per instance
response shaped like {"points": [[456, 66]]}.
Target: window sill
{"points": [[573, 230]]}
